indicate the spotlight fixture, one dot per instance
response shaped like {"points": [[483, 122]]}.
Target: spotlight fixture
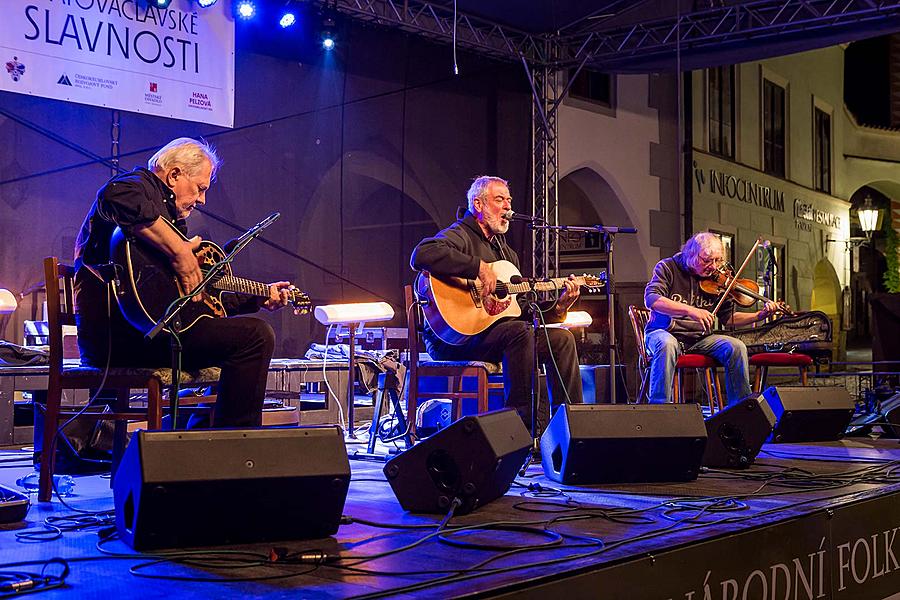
{"points": [[287, 19], [206, 3], [328, 33], [161, 3], [244, 9]]}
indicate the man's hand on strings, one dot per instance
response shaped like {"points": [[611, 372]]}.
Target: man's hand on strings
{"points": [[570, 294], [186, 267], [487, 278], [280, 294]]}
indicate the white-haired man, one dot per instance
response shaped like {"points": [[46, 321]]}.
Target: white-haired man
{"points": [[146, 204], [680, 319], [465, 249]]}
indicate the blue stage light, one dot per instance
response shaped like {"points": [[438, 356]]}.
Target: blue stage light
{"points": [[287, 19], [245, 9], [161, 3], [328, 42], [206, 3]]}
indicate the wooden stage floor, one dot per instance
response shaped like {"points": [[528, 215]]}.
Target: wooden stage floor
{"points": [[807, 521]]}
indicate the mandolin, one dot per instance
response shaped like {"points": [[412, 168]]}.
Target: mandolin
{"points": [[455, 309], [148, 284]]}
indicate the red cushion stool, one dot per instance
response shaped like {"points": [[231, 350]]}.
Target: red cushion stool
{"points": [[764, 360], [709, 366]]}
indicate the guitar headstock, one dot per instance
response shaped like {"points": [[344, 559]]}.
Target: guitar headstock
{"points": [[592, 284], [300, 302]]}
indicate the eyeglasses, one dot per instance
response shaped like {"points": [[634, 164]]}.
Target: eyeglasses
{"points": [[714, 261]]}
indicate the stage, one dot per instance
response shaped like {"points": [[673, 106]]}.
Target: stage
{"points": [[807, 521]]}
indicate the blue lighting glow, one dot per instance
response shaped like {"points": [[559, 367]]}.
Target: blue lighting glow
{"points": [[287, 19], [162, 3], [328, 42], [206, 3], [245, 9]]}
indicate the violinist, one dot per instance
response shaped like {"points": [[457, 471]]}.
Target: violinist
{"points": [[681, 318]]}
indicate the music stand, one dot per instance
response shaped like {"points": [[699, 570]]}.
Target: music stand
{"points": [[354, 316]]}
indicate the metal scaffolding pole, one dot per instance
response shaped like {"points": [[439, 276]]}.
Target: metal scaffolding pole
{"points": [[545, 89]]}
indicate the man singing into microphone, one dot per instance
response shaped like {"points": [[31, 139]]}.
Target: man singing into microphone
{"points": [[150, 206], [465, 249]]}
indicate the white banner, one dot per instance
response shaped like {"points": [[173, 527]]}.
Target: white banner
{"points": [[173, 62]]}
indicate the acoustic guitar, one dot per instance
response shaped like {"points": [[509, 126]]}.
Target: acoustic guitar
{"points": [[455, 309], [148, 284]]}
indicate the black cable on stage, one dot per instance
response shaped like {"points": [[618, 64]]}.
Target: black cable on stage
{"points": [[18, 583]]}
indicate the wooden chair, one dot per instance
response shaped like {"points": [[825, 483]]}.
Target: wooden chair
{"points": [[61, 311], [639, 317], [454, 371], [764, 360]]}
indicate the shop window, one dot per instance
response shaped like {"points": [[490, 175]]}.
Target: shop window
{"points": [[770, 271], [773, 128], [727, 242], [822, 151], [592, 86], [721, 98]]}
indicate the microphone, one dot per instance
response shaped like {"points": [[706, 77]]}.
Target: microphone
{"points": [[514, 216], [768, 246]]}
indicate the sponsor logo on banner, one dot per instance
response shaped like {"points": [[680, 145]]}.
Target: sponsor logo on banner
{"points": [[153, 96], [200, 100], [64, 80], [15, 69]]}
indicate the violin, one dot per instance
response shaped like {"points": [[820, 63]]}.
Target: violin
{"points": [[743, 292]]}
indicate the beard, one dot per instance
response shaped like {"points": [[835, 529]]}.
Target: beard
{"points": [[497, 225]]}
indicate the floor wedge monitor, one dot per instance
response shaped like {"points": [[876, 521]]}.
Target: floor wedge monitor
{"points": [[475, 459], [809, 413], [736, 434], [631, 443], [209, 487]]}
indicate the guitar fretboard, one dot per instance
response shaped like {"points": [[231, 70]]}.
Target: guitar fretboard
{"points": [[230, 283], [541, 286]]}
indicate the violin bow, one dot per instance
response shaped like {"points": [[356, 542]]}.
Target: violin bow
{"points": [[735, 275]]}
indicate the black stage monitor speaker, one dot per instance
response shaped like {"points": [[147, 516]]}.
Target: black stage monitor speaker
{"points": [[624, 443], [735, 435], [809, 413], [475, 459], [201, 488]]}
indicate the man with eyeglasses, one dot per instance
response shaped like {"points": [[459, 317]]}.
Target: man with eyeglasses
{"points": [[681, 321], [151, 205]]}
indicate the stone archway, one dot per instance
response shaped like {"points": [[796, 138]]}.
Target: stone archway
{"points": [[587, 197], [827, 297]]}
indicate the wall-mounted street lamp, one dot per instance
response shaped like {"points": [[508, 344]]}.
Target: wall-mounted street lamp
{"points": [[868, 217]]}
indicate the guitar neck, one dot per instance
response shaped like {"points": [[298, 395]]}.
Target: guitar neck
{"points": [[540, 286], [230, 283]]}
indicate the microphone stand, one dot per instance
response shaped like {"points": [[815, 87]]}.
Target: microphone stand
{"points": [[171, 320], [609, 236]]}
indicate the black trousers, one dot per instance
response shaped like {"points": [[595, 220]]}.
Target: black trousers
{"points": [[241, 346], [512, 343]]}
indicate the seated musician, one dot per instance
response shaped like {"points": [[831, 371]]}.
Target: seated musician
{"points": [[465, 249], [149, 205], [681, 320]]}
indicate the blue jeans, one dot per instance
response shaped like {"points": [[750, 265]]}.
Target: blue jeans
{"points": [[664, 350]]}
